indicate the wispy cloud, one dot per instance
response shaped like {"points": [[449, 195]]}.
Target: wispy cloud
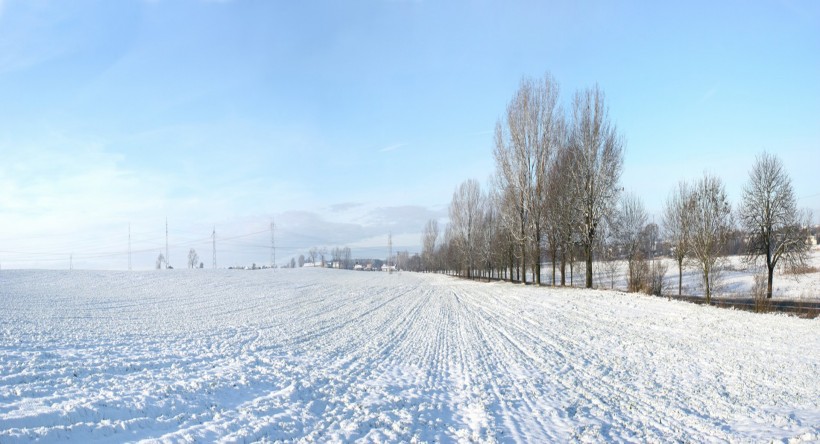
{"points": [[393, 147], [708, 95], [344, 206]]}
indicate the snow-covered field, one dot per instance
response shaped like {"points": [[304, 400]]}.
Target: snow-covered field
{"points": [[328, 355]]}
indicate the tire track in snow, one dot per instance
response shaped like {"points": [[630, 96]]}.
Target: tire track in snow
{"points": [[591, 379], [319, 355]]}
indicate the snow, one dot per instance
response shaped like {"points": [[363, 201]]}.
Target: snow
{"points": [[332, 355], [735, 278]]}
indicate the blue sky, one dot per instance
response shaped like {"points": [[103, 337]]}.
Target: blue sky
{"points": [[342, 121]]}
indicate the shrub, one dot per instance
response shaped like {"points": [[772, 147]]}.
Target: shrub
{"points": [[762, 303], [657, 273]]}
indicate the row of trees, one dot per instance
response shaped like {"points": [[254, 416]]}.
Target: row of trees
{"points": [[555, 196], [555, 187]]}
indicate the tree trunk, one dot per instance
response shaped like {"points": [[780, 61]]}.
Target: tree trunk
{"points": [[589, 267], [769, 286], [536, 269], [680, 276], [708, 290], [563, 270]]}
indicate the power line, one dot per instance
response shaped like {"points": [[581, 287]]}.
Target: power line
{"points": [[389, 251], [89, 247]]}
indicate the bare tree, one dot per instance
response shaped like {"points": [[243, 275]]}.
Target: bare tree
{"points": [[711, 223], [487, 235], [509, 221], [562, 216], [597, 164], [631, 219], [193, 258], [160, 261], [770, 217], [608, 247], [301, 261], [649, 239], [525, 144], [676, 224], [466, 210], [336, 256], [655, 283], [347, 258], [428, 242]]}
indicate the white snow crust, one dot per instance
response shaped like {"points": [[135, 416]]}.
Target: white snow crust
{"points": [[328, 355]]}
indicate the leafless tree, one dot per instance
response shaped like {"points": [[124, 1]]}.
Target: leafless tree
{"points": [[301, 261], [525, 143], [631, 220], [649, 240], [428, 242], [487, 232], [160, 261], [193, 258], [598, 161], [676, 224], [509, 222], [347, 258], [770, 217], [608, 247], [447, 252], [336, 256], [655, 282], [560, 217], [466, 210], [711, 223]]}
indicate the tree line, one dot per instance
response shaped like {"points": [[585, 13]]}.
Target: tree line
{"points": [[556, 197]]}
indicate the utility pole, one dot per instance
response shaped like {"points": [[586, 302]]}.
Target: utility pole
{"points": [[166, 243], [272, 245], [389, 251], [213, 236], [129, 247]]}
